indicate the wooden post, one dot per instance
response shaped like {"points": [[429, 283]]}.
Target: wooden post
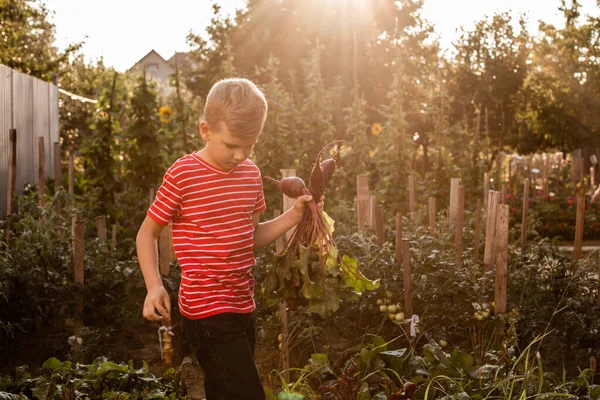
{"points": [[399, 239], [499, 159], [164, 253], [574, 164], [71, 174], [530, 168], [57, 174], [372, 206], [287, 201], [504, 193], [379, 226], [101, 227], [407, 274], [579, 226], [411, 198], [283, 313], [113, 236], [490, 230], [285, 346], [593, 176], [458, 232], [525, 212], [477, 230], [362, 201], [78, 231], [12, 179], [501, 244], [486, 188], [12, 170], [42, 178], [432, 215], [545, 176], [454, 183], [581, 167]]}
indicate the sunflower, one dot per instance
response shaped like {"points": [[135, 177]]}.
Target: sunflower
{"points": [[376, 129], [165, 113]]}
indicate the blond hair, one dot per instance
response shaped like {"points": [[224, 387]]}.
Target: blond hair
{"points": [[239, 104]]}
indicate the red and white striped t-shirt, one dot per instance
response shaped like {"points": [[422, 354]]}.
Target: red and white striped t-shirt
{"points": [[213, 236]]}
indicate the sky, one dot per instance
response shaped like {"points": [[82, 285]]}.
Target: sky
{"points": [[123, 31]]}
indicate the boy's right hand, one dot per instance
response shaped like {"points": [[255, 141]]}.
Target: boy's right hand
{"points": [[157, 305]]}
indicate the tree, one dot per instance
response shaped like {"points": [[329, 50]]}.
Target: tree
{"points": [[560, 106], [488, 72], [27, 39]]}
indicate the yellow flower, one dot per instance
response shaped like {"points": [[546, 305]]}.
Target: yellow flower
{"points": [[376, 129], [165, 113]]}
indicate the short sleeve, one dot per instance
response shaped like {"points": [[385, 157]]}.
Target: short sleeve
{"points": [[260, 205], [167, 203]]}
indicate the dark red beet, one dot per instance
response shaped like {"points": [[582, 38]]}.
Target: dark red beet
{"points": [[328, 167], [317, 182], [292, 186]]}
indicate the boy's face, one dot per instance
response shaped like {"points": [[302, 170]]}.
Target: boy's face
{"points": [[224, 149]]}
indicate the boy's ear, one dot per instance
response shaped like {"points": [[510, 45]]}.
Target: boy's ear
{"points": [[204, 131]]}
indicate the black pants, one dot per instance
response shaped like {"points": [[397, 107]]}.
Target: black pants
{"points": [[224, 345]]}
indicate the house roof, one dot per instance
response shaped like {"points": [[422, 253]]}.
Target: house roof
{"points": [[148, 54]]}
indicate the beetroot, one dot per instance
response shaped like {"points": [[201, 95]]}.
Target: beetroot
{"points": [[292, 186]]}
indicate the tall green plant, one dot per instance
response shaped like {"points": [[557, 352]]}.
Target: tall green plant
{"points": [[98, 149], [144, 156]]}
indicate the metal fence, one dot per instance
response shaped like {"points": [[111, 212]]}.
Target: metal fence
{"points": [[30, 106]]}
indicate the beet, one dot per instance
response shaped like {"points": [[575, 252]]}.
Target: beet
{"points": [[292, 186]]}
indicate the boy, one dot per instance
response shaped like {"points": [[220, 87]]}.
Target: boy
{"points": [[213, 198]]}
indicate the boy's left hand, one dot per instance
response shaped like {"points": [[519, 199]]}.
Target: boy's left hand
{"points": [[303, 201]]}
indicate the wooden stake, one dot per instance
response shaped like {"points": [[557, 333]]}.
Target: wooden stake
{"points": [[78, 231], [399, 239], [545, 176], [283, 313], [57, 174], [501, 244], [101, 227], [490, 230], [477, 230], [581, 168], [411, 198], [432, 215], [486, 188], [593, 176], [407, 274], [499, 160], [12, 171], [504, 193], [458, 232], [42, 178], [379, 226], [525, 212], [454, 183], [372, 206], [579, 220], [71, 174], [285, 347], [287, 201], [362, 201], [113, 236], [164, 251]]}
